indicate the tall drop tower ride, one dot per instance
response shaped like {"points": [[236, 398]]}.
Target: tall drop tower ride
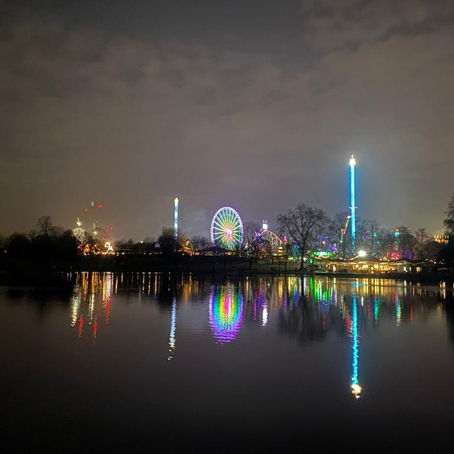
{"points": [[175, 218], [353, 200]]}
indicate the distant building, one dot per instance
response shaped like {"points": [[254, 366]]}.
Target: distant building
{"points": [[369, 266], [442, 239]]}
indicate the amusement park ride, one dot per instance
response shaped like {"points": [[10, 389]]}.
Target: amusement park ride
{"points": [[93, 239], [269, 241], [227, 227], [226, 305], [226, 230], [344, 230]]}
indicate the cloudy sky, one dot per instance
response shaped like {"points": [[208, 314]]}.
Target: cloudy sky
{"points": [[255, 104]]}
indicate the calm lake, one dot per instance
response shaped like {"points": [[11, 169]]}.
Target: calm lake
{"points": [[148, 363]]}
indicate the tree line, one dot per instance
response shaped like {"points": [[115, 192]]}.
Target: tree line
{"points": [[46, 243], [307, 229], [312, 230]]}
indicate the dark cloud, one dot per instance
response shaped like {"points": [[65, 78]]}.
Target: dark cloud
{"points": [[333, 24], [132, 121]]}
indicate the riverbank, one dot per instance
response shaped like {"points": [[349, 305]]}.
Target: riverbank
{"points": [[233, 267], [199, 265]]}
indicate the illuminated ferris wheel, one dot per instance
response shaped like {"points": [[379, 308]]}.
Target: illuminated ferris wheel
{"points": [[226, 228]]}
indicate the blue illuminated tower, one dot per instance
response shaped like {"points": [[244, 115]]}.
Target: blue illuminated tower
{"points": [[353, 201], [175, 218]]}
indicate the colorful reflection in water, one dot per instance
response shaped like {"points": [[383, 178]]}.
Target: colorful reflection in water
{"points": [[356, 388], [266, 359], [226, 312], [305, 308], [376, 308], [398, 310], [92, 296]]}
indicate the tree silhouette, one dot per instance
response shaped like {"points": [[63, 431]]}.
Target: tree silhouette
{"points": [[45, 227], [199, 242], [18, 246], [304, 225], [449, 221]]}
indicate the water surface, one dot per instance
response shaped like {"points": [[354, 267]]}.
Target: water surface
{"points": [[150, 363]]}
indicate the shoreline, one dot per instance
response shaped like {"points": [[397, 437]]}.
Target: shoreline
{"points": [[39, 273]]}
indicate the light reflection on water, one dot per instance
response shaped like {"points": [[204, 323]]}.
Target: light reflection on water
{"points": [[173, 326], [272, 329], [226, 312], [313, 305]]}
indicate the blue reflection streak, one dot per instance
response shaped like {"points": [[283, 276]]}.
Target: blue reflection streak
{"points": [[376, 308], [398, 310], [296, 294], [355, 342], [356, 388]]}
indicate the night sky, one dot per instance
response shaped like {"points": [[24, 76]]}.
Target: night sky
{"points": [[254, 104]]}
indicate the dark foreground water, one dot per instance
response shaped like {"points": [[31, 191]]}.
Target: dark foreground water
{"points": [[146, 363]]}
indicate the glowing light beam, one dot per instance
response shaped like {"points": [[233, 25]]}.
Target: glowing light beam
{"points": [[352, 201], [175, 218]]}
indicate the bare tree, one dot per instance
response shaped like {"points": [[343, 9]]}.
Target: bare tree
{"points": [[449, 221], [367, 233], [250, 228], [425, 247], [405, 242], [199, 242], [167, 241], [384, 243], [45, 227], [339, 233], [304, 225], [421, 236]]}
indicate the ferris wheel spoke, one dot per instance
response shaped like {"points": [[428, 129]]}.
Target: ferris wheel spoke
{"points": [[220, 225], [219, 222]]}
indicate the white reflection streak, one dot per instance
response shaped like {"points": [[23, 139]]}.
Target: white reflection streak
{"points": [[75, 308], [91, 307], [107, 287], [265, 315], [173, 325]]}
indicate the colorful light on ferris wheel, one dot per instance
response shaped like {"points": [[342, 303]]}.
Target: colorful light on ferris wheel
{"points": [[226, 228]]}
